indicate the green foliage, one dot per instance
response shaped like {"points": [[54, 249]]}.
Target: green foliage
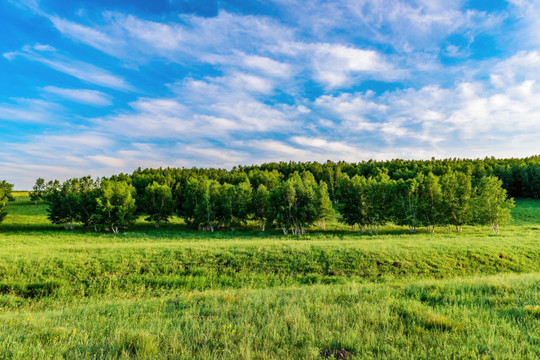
{"points": [[430, 202], [270, 179], [64, 204], [260, 207], [457, 199], [378, 200], [368, 195], [88, 192], [327, 212], [296, 203], [491, 205], [39, 190], [234, 203], [158, 203], [203, 203], [351, 200], [5, 196], [405, 203], [72, 201], [116, 205], [179, 294], [282, 200]]}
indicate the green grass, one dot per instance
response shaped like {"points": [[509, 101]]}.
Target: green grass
{"points": [[181, 294]]}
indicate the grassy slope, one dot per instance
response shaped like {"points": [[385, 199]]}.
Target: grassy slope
{"points": [[182, 294]]}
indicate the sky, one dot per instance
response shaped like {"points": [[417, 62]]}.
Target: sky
{"points": [[106, 86]]}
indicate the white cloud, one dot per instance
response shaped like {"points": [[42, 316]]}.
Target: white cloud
{"points": [[325, 146], [217, 108], [336, 65], [471, 114], [218, 157], [527, 12], [266, 65], [274, 149], [122, 35], [65, 145], [260, 103], [85, 34], [75, 68], [29, 110], [521, 67], [108, 161], [154, 35], [81, 95]]}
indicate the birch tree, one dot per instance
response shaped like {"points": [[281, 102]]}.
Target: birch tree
{"points": [[38, 191], [64, 204], [116, 205], [260, 207], [405, 203], [158, 203], [456, 200], [325, 204], [430, 201], [5, 195], [351, 200], [491, 204]]}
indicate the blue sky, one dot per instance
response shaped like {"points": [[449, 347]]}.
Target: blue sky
{"points": [[99, 87]]}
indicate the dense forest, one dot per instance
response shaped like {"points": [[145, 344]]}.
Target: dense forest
{"points": [[294, 196]]}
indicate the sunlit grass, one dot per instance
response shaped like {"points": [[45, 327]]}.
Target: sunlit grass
{"points": [[178, 293]]}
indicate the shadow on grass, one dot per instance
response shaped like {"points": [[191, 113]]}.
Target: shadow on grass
{"points": [[180, 230]]}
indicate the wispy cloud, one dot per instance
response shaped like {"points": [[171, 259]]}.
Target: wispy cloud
{"points": [[214, 108], [29, 110], [294, 80], [50, 57], [85, 96], [86, 34]]}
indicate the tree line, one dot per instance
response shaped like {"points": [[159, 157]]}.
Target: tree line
{"points": [[520, 176], [295, 195], [212, 199]]}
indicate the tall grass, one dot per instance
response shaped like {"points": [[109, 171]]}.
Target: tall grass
{"points": [[484, 317], [180, 294]]}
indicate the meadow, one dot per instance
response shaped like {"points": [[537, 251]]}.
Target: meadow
{"points": [[177, 293]]}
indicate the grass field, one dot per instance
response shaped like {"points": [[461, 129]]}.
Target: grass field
{"points": [[181, 294]]}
